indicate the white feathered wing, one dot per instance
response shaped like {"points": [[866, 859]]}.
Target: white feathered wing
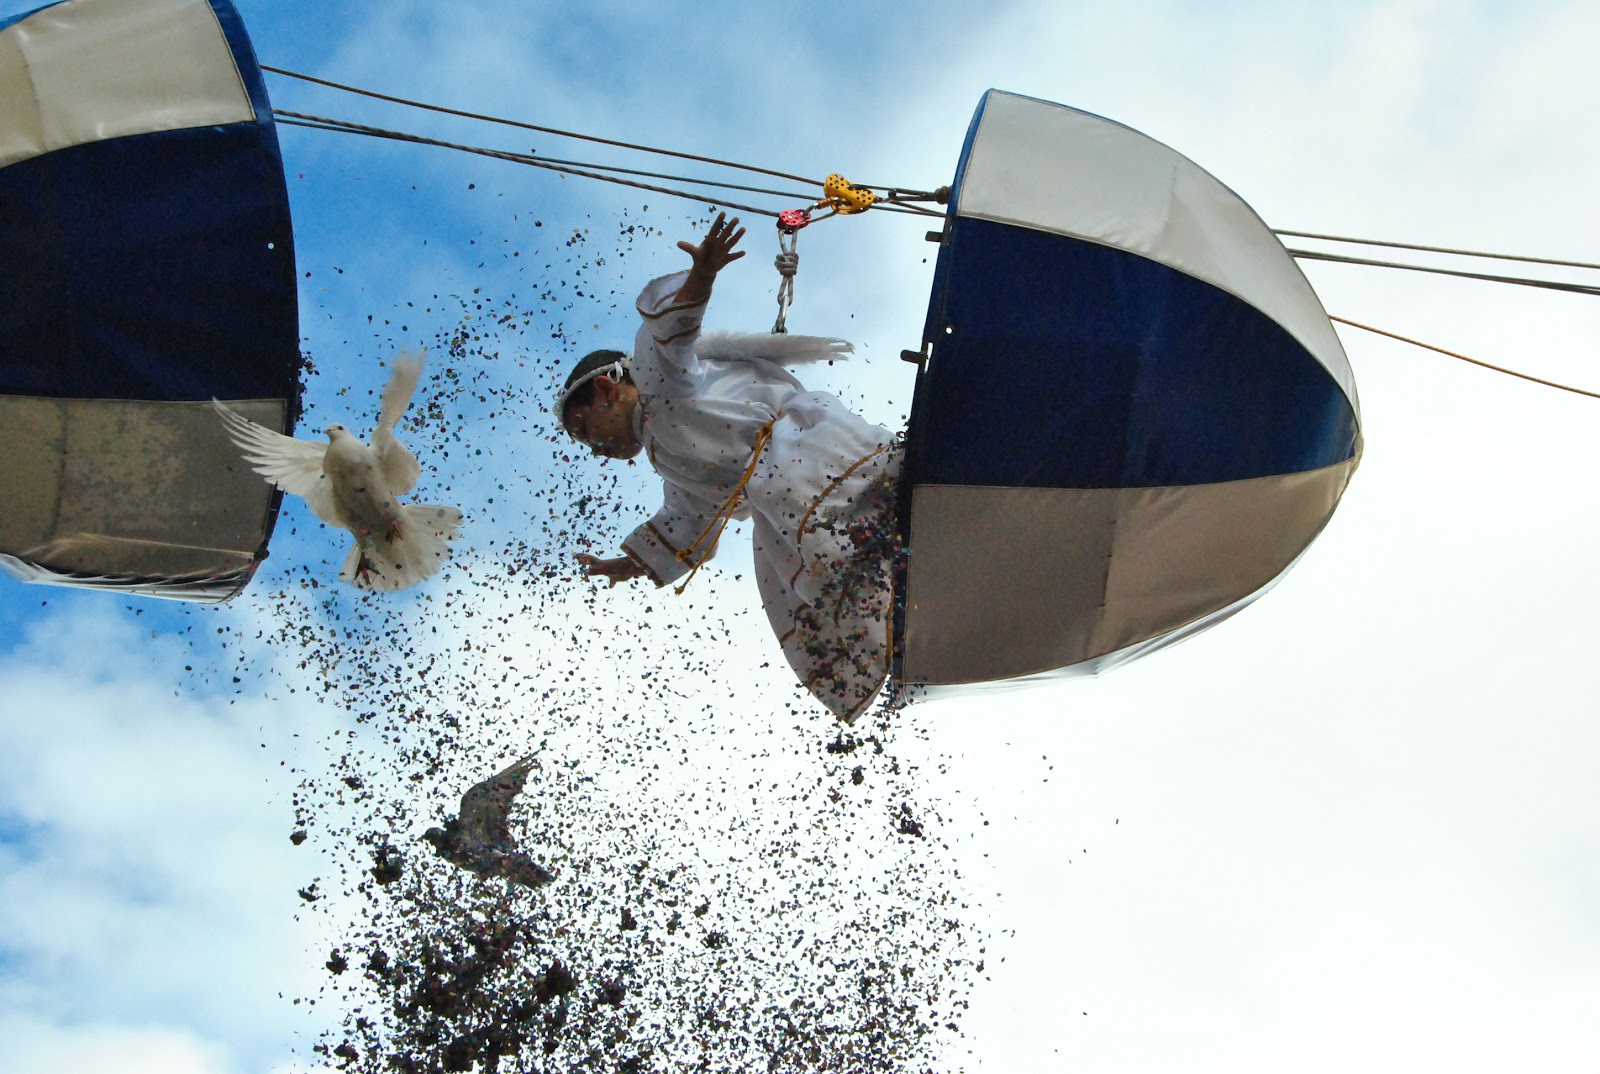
{"points": [[784, 350], [295, 466]]}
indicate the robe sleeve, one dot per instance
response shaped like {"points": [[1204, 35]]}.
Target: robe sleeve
{"points": [[666, 343], [680, 522]]}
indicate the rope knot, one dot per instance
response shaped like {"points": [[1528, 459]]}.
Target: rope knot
{"points": [[787, 263]]}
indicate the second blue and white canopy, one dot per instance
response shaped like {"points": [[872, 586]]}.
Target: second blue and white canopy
{"points": [[1133, 414]]}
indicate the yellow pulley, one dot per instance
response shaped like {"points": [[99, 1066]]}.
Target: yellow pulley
{"points": [[843, 197]]}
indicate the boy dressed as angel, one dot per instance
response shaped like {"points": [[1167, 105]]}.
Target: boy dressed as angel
{"points": [[734, 435]]}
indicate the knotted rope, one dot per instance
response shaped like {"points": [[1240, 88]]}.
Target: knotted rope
{"points": [[787, 263], [790, 221]]}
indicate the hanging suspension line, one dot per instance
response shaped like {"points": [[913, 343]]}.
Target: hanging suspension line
{"points": [[1464, 358], [790, 221]]}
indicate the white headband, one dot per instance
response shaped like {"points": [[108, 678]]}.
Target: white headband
{"points": [[616, 370]]}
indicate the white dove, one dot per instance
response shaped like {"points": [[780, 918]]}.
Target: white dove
{"points": [[356, 487]]}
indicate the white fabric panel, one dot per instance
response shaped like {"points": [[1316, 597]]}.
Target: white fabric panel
{"points": [[1056, 577], [21, 129], [1050, 168], [128, 487], [88, 70]]}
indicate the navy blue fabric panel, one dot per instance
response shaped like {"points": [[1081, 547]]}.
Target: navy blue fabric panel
{"points": [[158, 266], [1074, 365]]}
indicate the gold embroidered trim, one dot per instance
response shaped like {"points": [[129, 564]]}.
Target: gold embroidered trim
{"points": [[644, 566], [661, 538], [647, 315], [673, 339], [805, 519], [795, 619]]}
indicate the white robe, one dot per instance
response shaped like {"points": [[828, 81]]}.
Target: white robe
{"points": [[820, 489]]}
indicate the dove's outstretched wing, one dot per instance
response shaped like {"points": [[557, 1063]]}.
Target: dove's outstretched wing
{"points": [[400, 467], [486, 808], [295, 466]]}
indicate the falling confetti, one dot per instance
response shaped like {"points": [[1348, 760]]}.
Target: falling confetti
{"points": [[737, 883]]}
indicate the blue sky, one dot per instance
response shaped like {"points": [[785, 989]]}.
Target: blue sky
{"points": [[1351, 828]]}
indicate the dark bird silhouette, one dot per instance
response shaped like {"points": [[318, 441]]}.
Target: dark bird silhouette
{"points": [[479, 840]]}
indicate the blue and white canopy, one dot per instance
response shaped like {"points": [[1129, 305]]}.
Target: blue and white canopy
{"points": [[1133, 413], [146, 265]]}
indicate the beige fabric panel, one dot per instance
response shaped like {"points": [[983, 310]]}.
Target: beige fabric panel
{"points": [[992, 574], [127, 487], [89, 70], [1050, 168], [1163, 576], [1008, 581]]}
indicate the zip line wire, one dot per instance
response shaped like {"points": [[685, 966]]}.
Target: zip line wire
{"points": [[605, 172], [535, 127], [298, 119], [1521, 281], [911, 196], [1438, 249], [897, 200]]}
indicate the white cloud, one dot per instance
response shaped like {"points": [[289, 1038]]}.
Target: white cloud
{"points": [[37, 1047], [150, 859]]}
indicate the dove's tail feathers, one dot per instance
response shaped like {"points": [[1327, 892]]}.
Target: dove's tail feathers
{"points": [[444, 522], [415, 552]]}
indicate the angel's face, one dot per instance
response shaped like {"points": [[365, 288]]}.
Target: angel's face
{"points": [[605, 425]]}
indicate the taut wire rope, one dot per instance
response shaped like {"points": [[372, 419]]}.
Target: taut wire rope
{"points": [[1439, 249], [536, 127], [895, 200], [1521, 281], [301, 119], [604, 172]]}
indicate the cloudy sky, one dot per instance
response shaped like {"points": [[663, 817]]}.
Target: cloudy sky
{"points": [[1356, 827]]}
